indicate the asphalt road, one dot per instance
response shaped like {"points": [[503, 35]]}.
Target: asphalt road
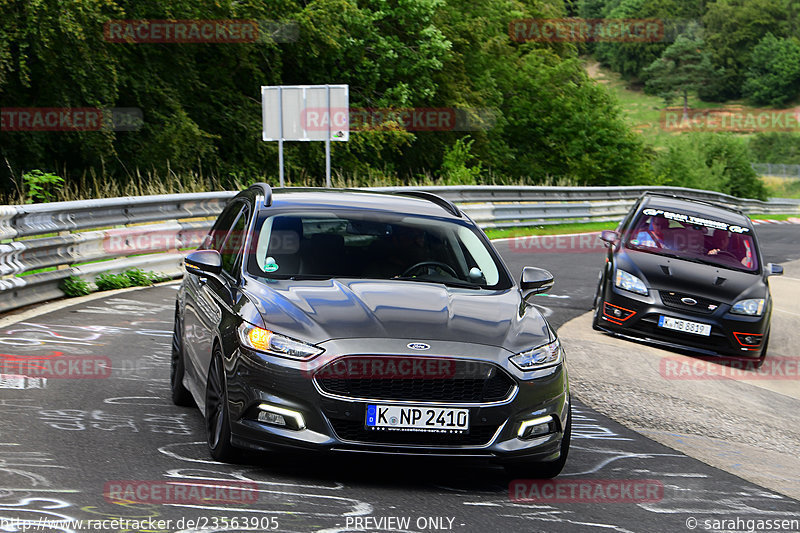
{"points": [[66, 442]]}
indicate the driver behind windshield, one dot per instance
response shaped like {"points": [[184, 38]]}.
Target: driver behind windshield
{"points": [[403, 248], [721, 246]]}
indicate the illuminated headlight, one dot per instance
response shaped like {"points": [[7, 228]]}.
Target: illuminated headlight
{"points": [[272, 343], [541, 357], [629, 282], [752, 307]]}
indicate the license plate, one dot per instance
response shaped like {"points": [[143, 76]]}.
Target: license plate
{"points": [[410, 418], [684, 325]]}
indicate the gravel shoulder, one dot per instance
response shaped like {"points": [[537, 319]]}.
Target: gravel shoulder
{"points": [[744, 423]]}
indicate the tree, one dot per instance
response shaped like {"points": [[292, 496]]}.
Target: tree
{"points": [[711, 161], [732, 29], [774, 74], [681, 69], [630, 57]]}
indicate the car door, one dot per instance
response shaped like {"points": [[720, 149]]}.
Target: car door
{"points": [[206, 296]]}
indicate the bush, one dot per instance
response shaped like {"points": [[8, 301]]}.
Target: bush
{"points": [[109, 281], [775, 147], [711, 161], [157, 277], [134, 277], [774, 74], [75, 286], [139, 277], [41, 186], [455, 169]]}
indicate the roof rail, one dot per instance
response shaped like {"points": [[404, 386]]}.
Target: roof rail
{"points": [[266, 190], [444, 203], [706, 202]]}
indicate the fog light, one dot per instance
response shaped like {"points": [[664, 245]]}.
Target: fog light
{"points": [[617, 312], [279, 416], [749, 340], [536, 427], [271, 418]]}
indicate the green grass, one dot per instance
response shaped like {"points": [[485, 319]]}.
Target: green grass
{"points": [[782, 188], [775, 217], [644, 111], [554, 229]]}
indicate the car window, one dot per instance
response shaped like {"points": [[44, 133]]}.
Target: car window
{"points": [[693, 238], [216, 237], [234, 242], [373, 245]]}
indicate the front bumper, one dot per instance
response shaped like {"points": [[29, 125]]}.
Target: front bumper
{"points": [[635, 316], [334, 423]]}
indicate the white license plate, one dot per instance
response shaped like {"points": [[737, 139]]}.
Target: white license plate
{"points": [[411, 418], [684, 325]]}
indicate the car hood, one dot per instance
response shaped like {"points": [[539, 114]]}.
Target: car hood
{"points": [[709, 281], [319, 310]]}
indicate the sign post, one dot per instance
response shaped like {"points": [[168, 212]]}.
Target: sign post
{"points": [[305, 113]]}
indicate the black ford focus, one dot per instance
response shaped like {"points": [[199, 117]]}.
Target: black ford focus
{"points": [[687, 274], [357, 321]]}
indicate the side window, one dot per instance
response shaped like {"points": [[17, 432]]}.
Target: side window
{"points": [[222, 226], [234, 243]]}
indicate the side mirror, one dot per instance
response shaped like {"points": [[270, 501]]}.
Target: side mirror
{"points": [[774, 270], [203, 262], [611, 237], [535, 280]]}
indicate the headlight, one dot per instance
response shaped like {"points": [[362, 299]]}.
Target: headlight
{"points": [[541, 357], [270, 342], [752, 307], [629, 282]]}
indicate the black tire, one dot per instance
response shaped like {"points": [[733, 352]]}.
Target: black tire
{"points": [[180, 394], [218, 427], [544, 469], [596, 306]]}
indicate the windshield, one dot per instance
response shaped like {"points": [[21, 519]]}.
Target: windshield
{"points": [[694, 239], [372, 245]]}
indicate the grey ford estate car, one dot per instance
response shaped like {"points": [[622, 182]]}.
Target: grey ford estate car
{"points": [[333, 320]]}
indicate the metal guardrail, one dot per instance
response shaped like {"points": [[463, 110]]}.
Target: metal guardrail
{"points": [[511, 206], [90, 237], [777, 170], [113, 232]]}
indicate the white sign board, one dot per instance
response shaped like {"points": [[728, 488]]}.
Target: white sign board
{"points": [[306, 112]]}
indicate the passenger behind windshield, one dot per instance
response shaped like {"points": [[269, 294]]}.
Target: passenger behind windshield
{"points": [[722, 247]]}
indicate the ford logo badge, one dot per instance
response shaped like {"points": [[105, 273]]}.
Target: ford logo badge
{"points": [[689, 301], [418, 346]]}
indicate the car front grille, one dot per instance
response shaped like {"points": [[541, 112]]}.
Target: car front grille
{"points": [[703, 306], [355, 430], [463, 382]]}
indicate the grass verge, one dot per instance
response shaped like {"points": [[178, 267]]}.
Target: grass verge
{"points": [[554, 229]]}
